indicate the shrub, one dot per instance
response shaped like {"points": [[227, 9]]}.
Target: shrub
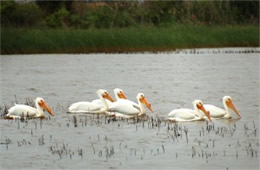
{"points": [[58, 18], [104, 17], [15, 14]]}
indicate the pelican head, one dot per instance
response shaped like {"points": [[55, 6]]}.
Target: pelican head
{"points": [[119, 93], [199, 105], [227, 101], [143, 100], [43, 105], [104, 94]]}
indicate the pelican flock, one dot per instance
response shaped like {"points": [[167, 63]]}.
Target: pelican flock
{"points": [[128, 109], [122, 107], [125, 108]]}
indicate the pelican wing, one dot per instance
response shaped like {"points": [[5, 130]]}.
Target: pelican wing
{"points": [[81, 107], [215, 112], [137, 107], [99, 102], [20, 110], [129, 102], [124, 107], [182, 114]]}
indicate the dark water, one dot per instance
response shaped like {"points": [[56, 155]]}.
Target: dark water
{"points": [[168, 80]]}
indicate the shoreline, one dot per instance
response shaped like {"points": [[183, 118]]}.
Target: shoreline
{"points": [[134, 51], [203, 50]]}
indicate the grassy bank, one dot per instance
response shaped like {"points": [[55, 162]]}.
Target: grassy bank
{"points": [[24, 41]]}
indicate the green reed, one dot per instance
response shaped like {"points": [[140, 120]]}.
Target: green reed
{"points": [[134, 39]]}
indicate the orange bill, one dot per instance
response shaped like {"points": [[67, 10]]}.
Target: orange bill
{"points": [[108, 97], [121, 95], [232, 106], [46, 107], [201, 107], [144, 101]]}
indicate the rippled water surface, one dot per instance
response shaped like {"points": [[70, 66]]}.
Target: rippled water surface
{"points": [[168, 80]]}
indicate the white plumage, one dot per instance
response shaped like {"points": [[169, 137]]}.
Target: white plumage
{"points": [[127, 109], [94, 106], [24, 111], [216, 112], [119, 94], [184, 115]]}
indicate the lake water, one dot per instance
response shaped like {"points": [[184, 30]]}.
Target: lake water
{"points": [[168, 80]]}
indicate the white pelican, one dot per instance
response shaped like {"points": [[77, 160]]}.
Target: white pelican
{"points": [[183, 114], [128, 109], [119, 94], [216, 112], [92, 107], [24, 111]]}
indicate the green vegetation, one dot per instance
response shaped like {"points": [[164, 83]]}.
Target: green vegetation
{"points": [[118, 26], [126, 39], [78, 14]]}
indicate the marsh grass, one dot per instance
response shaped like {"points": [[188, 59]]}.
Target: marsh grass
{"points": [[134, 39]]}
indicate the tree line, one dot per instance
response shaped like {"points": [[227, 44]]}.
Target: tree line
{"points": [[107, 14]]}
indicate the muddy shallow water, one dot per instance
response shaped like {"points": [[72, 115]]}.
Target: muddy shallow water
{"points": [[168, 80]]}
